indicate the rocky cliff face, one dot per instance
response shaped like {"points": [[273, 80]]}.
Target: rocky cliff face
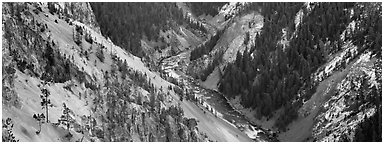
{"points": [[345, 86], [80, 11], [115, 96], [79, 65], [83, 12], [355, 99]]}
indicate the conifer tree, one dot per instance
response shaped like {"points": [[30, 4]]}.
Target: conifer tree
{"points": [[45, 101], [66, 119]]}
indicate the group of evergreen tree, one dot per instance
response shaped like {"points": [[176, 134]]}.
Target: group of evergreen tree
{"points": [[272, 78], [7, 131], [195, 25], [208, 8], [368, 29], [58, 68], [121, 122], [206, 47], [369, 130], [126, 23]]}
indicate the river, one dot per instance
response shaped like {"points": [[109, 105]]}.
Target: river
{"points": [[213, 101]]}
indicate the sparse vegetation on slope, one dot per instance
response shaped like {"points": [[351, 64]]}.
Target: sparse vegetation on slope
{"points": [[108, 91], [293, 71]]}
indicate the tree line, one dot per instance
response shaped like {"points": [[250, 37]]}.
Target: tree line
{"points": [[209, 8], [127, 23]]}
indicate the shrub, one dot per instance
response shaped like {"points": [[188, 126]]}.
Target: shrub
{"points": [[40, 119], [7, 134]]}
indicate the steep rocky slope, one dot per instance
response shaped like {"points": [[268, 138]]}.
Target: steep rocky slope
{"points": [[109, 94], [244, 73], [347, 54]]}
